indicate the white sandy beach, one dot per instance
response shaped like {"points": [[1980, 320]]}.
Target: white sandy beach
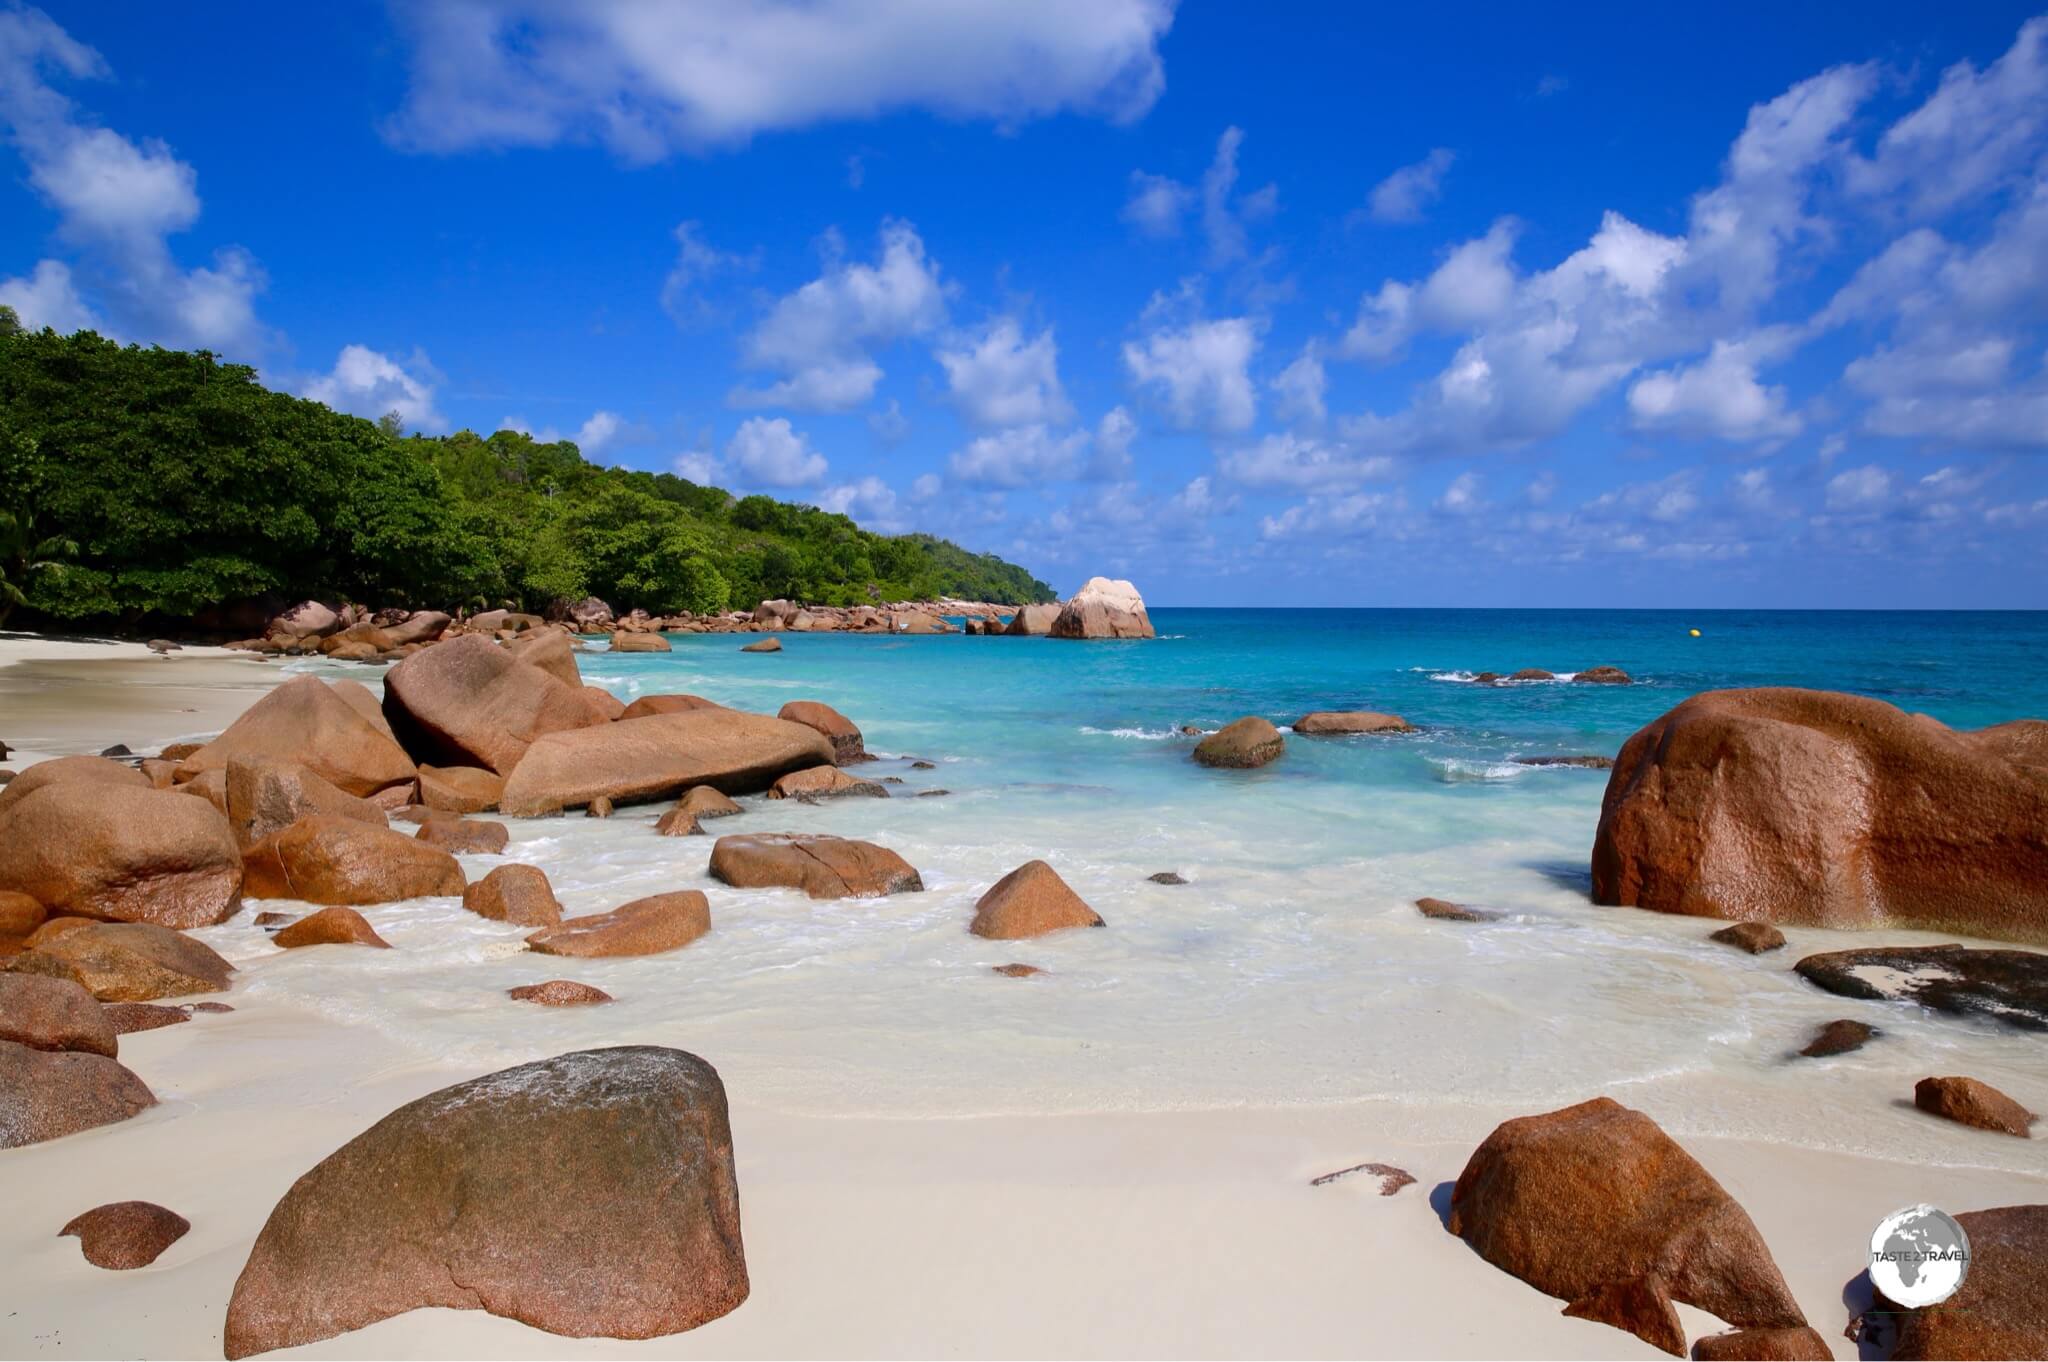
{"points": [[1182, 1233]]}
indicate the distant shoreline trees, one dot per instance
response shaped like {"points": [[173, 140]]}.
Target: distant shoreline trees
{"points": [[139, 483]]}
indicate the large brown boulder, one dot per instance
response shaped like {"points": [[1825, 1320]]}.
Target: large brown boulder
{"points": [[590, 1195], [58, 770], [1103, 608], [47, 1094], [54, 1014], [823, 867], [121, 853], [325, 859], [421, 626], [1344, 721], [468, 702], [1828, 810], [659, 922], [847, 744], [266, 797], [1250, 741], [307, 619], [126, 1234], [824, 782], [551, 651], [460, 789], [667, 704], [1972, 1102], [1597, 1206], [641, 643], [2001, 1307], [1033, 620], [657, 757], [316, 726], [1030, 901], [129, 962], [518, 894]]}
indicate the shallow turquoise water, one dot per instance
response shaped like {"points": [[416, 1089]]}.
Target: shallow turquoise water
{"points": [[1294, 968]]}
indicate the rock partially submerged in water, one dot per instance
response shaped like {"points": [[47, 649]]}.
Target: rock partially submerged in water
{"points": [[848, 746], [518, 894], [460, 789], [1754, 937], [1015, 971], [465, 836], [1343, 721], [1828, 810], [331, 927], [1445, 911], [560, 993], [1997, 985], [123, 1235], [824, 782], [766, 645], [1838, 1038], [128, 962], [641, 643], [1167, 877], [1597, 1206], [590, 1195], [649, 926], [1030, 901], [1590, 763], [2000, 1309], [1604, 676], [1971, 1102], [1034, 620], [659, 756], [121, 853], [1104, 607], [823, 867], [328, 860], [1250, 741], [48, 1094]]}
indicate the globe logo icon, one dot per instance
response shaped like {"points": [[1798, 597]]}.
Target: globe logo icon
{"points": [[1918, 1256]]}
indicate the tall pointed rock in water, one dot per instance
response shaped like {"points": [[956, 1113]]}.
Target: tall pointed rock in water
{"points": [[1104, 607]]}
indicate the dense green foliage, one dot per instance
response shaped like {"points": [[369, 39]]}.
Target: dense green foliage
{"points": [[141, 482]]}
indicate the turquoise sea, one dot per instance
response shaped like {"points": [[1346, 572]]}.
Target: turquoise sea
{"points": [[1292, 969]]}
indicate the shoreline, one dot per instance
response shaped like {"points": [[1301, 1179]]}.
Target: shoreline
{"points": [[1190, 1232]]}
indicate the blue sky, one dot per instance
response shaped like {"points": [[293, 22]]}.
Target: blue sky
{"points": [[1317, 305]]}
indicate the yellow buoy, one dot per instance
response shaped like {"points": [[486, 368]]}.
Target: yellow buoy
{"points": [[1694, 632]]}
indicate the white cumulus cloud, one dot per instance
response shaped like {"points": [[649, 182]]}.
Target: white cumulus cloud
{"points": [[366, 382], [767, 452]]}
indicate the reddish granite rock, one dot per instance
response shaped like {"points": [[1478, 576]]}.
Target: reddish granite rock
{"points": [[1033, 620], [468, 702], [1596, 1205], [121, 853], [1446, 911], [560, 993], [460, 789], [599, 807], [847, 744], [604, 702], [62, 770], [823, 867], [1104, 607], [1531, 674], [704, 802], [640, 643], [518, 894], [20, 914], [324, 859], [824, 782], [129, 1017], [590, 1195], [1030, 901], [335, 926], [126, 1234], [659, 756], [678, 822], [2003, 987], [1754, 937], [129, 962], [465, 835], [649, 705], [46, 1013], [1838, 1038], [1763, 1345], [659, 922], [48, 1094], [1828, 810], [265, 797], [1327, 721], [766, 645], [2001, 1307], [1016, 971], [314, 725], [1604, 676], [1250, 741], [1973, 1103], [549, 650]]}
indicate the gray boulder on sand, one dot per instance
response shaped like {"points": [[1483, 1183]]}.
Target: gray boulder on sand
{"points": [[1250, 741], [591, 1195], [1104, 607]]}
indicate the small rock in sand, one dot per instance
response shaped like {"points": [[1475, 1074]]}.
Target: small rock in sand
{"points": [[1973, 1103], [518, 894], [1754, 937], [1838, 1038], [1392, 1179], [1030, 901], [1167, 877], [126, 1234]]}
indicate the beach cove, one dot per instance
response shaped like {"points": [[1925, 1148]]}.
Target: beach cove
{"points": [[1283, 1014]]}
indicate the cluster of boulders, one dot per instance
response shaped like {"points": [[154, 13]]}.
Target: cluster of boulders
{"points": [[1592, 676]]}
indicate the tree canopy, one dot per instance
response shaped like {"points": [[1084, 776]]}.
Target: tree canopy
{"points": [[147, 482]]}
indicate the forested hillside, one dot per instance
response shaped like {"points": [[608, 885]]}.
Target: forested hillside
{"points": [[145, 482]]}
